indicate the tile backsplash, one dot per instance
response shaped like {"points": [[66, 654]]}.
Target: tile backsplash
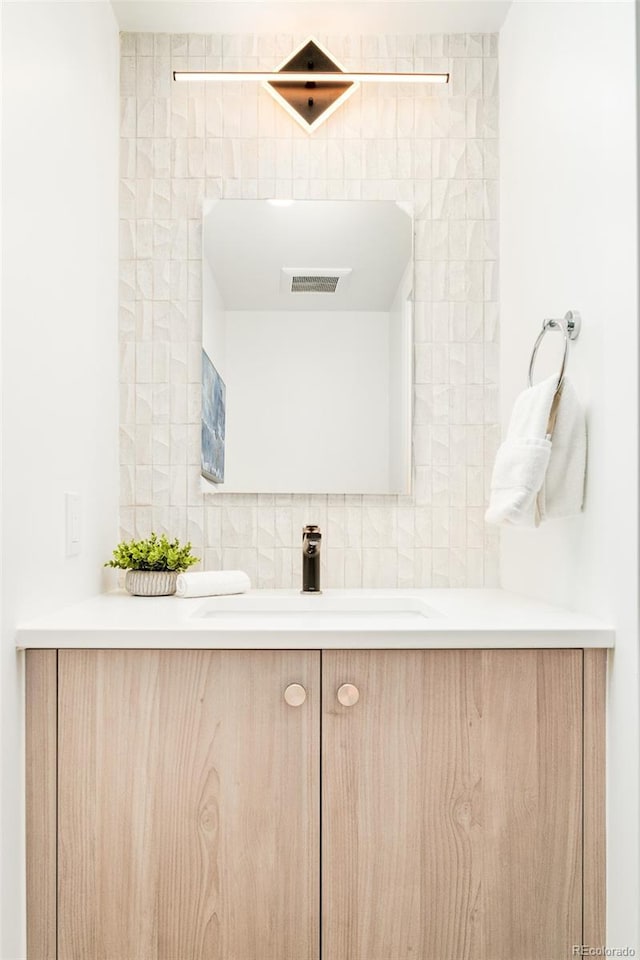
{"points": [[434, 146]]}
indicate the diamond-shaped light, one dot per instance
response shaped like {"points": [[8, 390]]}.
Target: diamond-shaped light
{"points": [[310, 103]]}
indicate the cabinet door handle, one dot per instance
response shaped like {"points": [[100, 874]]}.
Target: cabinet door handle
{"points": [[348, 694], [295, 694]]}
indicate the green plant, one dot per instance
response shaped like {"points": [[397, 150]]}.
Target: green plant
{"points": [[156, 553]]}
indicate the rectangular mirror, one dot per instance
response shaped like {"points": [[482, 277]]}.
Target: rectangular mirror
{"points": [[307, 346]]}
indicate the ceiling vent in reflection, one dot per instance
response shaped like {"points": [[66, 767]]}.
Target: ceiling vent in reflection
{"points": [[314, 284], [314, 279]]}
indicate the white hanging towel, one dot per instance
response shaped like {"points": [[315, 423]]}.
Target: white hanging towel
{"points": [[562, 493], [536, 478]]}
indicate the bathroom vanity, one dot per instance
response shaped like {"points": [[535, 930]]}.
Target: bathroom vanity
{"points": [[388, 775]]}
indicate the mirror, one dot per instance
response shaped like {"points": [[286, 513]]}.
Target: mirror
{"points": [[307, 346]]}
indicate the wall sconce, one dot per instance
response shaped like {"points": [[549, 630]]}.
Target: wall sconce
{"points": [[310, 84]]}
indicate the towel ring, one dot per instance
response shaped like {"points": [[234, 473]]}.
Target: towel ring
{"points": [[569, 326]]}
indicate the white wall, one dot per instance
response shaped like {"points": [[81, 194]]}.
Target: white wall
{"points": [[313, 16], [569, 241], [307, 401], [400, 383], [59, 346], [214, 324]]}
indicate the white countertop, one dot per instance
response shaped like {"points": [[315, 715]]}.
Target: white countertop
{"points": [[457, 618]]}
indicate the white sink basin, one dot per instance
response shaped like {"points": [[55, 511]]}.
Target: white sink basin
{"points": [[324, 611]]}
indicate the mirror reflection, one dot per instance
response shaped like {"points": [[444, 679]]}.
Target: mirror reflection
{"points": [[307, 333]]}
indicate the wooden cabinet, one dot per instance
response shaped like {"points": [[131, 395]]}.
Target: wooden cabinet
{"points": [[452, 808], [174, 805], [188, 806]]}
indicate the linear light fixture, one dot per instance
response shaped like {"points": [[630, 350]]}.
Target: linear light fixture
{"points": [[310, 84], [309, 76]]}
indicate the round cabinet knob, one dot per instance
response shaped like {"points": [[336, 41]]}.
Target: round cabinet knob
{"points": [[295, 695], [348, 694]]}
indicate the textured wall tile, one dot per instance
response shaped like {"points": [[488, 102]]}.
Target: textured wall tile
{"points": [[239, 526], [436, 149], [422, 444], [441, 445], [423, 404], [127, 484], [422, 528], [380, 567], [212, 526], [406, 529], [127, 445], [353, 567], [457, 567], [422, 485], [127, 402], [474, 412], [333, 568], [266, 527], [457, 412], [490, 118], [266, 573], [127, 522], [490, 280], [211, 559], [143, 198], [440, 570], [127, 361], [490, 162], [458, 321], [475, 366], [284, 567], [128, 76], [379, 526], [442, 404], [128, 115], [474, 199], [160, 445], [423, 568], [128, 44], [441, 485], [143, 486], [491, 322], [490, 240], [127, 320], [143, 364], [234, 558], [195, 527], [143, 521], [160, 487]]}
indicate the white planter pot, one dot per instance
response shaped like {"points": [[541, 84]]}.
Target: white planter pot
{"points": [[151, 583]]}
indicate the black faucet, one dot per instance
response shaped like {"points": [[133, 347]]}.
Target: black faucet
{"points": [[311, 540]]}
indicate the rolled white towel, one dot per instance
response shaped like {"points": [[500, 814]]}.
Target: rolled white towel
{"points": [[212, 583]]}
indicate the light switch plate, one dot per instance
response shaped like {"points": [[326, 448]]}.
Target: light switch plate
{"points": [[73, 524]]}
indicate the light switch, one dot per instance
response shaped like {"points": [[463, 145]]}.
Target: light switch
{"points": [[73, 503]]}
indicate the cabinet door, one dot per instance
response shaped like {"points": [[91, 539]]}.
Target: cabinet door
{"points": [[452, 795], [188, 805]]}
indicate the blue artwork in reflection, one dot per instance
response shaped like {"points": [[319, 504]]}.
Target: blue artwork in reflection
{"points": [[213, 422]]}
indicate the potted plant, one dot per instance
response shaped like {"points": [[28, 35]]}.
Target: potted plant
{"points": [[152, 565]]}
